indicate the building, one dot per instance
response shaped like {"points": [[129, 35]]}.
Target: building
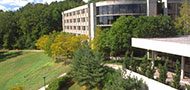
{"points": [[176, 46], [84, 19]]}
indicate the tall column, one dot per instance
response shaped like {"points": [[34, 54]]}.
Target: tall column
{"points": [[92, 20], [151, 7], [165, 7], [63, 22], [153, 58], [182, 67], [148, 54]]}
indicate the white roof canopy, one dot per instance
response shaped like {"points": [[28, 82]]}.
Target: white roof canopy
{"points": [[177, 46]]}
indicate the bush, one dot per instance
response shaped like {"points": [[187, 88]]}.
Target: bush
{"points": [[163, 73], [88, 68], [115, 81], [57, 84], [187, 87], [17, 88], [176, 77]]}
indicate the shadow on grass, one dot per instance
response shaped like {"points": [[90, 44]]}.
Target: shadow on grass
{"points": [[4, 55]]}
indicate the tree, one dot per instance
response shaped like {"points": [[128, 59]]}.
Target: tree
{"points": [[88, 68], [60, 46], [115, 81], [154, 27], [120, 35], [183, 21], [163, 72], [66, 44], [22, 28], [100, 42], [8, 30], [176, 77]]}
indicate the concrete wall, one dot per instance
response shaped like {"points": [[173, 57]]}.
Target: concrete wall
{"points": [[152, 84]]}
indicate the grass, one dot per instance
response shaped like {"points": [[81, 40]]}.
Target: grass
{"points": [[28, 69]]}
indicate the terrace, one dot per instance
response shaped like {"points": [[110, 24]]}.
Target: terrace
{"points": [[177, 46]]}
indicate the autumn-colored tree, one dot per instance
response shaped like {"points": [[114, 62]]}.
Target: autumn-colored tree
{"points": [[65, 44], [41, 42], [183, 21]]}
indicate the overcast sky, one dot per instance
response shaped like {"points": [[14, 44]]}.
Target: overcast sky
{"points": [[16, 4]]}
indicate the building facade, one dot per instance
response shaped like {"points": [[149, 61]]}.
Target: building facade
{"points": [[84, 19]]}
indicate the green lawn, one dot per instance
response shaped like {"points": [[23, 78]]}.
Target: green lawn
{"points": [[27, 70]]}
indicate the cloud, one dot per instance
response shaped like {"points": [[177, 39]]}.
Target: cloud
{"points": [[16, 4], [2, 7]]}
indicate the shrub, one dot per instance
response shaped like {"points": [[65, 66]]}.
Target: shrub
{"points": [[187, 87], [88, 68], [126, 63], [57, 84], [115, 81], [176, 77], [17, 88], [163, 73]]}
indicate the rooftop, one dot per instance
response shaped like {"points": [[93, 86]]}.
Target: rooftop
{"points": [[181, 40]]}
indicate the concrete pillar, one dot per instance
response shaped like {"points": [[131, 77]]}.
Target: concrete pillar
{"points": [[63, 22], [153, 58], [182, 67], [151, 7], [92, 20], [148, 54], [165, 7]]}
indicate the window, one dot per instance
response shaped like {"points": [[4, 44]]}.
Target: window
{"points": [[78, 12], [71, 27], [83, 28], [74, 27], [78, 27], [83, 11], [67, 21], [74, 20], [70, 20], [73, 13], [82, 19], [78, 19]]}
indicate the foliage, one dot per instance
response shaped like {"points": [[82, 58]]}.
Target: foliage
{"points": [[57, 84], [144, 65], [176, 77], [100, 41], [87, 67], [117, 40], [183, 21], [115, 81], [154, 27], [21, 29], [42, 41], [187, 87], [120, 35], [126, 63], [60, 45], [8, 30], [17, 88], [163, 72]]}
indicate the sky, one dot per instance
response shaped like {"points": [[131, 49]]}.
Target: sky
{"points": [[13, 5]]}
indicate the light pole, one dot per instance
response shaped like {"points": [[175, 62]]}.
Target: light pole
{"points": [[44, 82]]}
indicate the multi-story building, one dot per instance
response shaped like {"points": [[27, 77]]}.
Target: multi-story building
{"points": [[84, 19]]}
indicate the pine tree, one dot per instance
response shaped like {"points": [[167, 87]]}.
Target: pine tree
{"points": [[176, 77], [87, 68], [163, 73]]}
